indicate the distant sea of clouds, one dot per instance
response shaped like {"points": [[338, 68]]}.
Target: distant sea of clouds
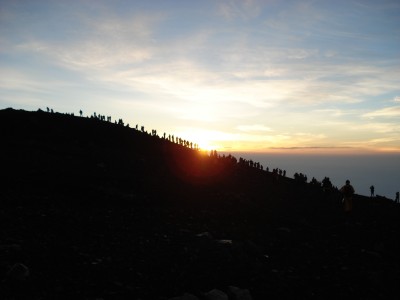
{"points": [[380, 170]]}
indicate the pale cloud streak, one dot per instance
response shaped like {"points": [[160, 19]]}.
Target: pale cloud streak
{"points": [[104, 43], [387, 112], [254, 128], [242, 9], [378, 127]]}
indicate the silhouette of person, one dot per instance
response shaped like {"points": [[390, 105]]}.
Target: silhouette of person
{"points": [[397, 197], [347, 190], [372, 188], [327, 184]]}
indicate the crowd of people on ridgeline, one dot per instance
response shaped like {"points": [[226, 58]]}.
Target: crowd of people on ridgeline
{"points": [[120, 122], [347, 190]]}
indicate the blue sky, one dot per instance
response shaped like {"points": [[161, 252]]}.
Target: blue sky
{"points": [[230, 75]]}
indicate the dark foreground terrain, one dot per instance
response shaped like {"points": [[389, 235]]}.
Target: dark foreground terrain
{"points": [[94, 210]]}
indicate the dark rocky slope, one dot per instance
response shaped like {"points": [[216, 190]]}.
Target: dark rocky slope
{"points": [[94, 210]]}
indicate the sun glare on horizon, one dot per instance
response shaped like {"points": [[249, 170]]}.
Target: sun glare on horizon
{"points": [[205, 139]]}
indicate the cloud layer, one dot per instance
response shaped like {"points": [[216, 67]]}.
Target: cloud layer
{"points": [[253, 74]]}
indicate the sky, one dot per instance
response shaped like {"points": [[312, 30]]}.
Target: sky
{"points": [[231, 75]]}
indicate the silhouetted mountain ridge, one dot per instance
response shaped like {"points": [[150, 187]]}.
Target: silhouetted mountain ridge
{"points": [[95, 209]]}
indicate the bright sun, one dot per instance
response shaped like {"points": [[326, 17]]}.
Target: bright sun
{"points": [[203, 138], [203, 142]]}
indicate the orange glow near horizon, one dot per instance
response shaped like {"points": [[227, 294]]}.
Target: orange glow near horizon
{"points": [[206, 140], [309, 150], [256, 140]]}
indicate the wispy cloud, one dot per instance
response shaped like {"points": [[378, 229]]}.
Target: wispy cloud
{"points": [[334, 112], [384, 140], [378, 127], [242, 9], [103, 43], [255, 128], [387, 112], [312, 148]]}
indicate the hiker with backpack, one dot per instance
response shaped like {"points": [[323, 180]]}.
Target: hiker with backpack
{"points": [[347, 190]]}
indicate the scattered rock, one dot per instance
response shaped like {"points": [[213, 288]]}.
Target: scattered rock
{"points": [[216, 294], [205, 234], [18, 272], [225, 242], [185, 296], [236, 293], [10, 247]]}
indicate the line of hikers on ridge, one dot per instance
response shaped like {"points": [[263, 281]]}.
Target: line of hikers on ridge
{"points": [[347, 190], [170, 137], [179, 141]]}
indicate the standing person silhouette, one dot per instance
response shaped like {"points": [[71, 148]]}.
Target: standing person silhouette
{"points": [[372, 188], [347, 190], [397, 197]]}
